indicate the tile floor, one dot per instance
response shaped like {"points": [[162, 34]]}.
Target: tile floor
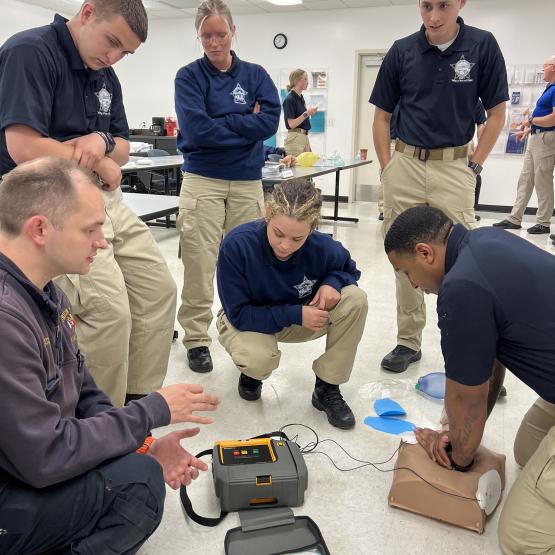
{"points": [[349, 507]]}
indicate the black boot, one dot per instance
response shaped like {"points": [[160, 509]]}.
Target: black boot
{"points": [[249, 388], [328, 398], [199, 359]]}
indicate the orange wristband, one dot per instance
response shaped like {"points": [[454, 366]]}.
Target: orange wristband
{"points": [[146, 445]]}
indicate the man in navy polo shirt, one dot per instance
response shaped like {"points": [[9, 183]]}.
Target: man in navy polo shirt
{"points": [[60, 97], [539, 161], [437, 76], [487, 325]]}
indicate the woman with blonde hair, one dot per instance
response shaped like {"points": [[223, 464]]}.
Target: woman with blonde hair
{"points": [[280, 280], [296, 114], [226, 108]]}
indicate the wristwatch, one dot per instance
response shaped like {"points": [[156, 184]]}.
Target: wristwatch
{"points": [[108, 139], [475, 167], [305, 115], [454, 465]]}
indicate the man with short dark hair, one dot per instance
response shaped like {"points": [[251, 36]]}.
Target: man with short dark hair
{"points": [[487, 325], [539, 160], [436, 77], [60, 97], [70, 479]]}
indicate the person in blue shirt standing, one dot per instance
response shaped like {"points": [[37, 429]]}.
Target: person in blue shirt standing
{"points": [[297, 115], [280, 280], [226, 108], [539, 160], [436, 76], [487, 326], [59, 96]]}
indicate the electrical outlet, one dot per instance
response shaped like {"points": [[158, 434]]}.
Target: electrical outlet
{"points": [[331, 122]]}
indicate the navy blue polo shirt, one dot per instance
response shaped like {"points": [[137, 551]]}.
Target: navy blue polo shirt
{"points": [[545, 105], [438, 91], [293, 106], [480, 116], [497, 300], [45, 85]]}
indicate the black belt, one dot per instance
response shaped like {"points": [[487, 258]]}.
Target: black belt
{"points": [[540, 130]]}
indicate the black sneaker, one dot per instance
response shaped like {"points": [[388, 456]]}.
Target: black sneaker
{"points": [[199, 359], [506, 224], [552, 236], [399, 359], [477, 218], [328, 398], [249, 388], [502, 392], [380, 217], [538, 229]]}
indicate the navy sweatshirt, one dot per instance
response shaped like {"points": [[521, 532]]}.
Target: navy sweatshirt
{"points": [[219, 135], [263, 294]]}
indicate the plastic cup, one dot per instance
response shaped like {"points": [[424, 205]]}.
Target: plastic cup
{"points": [[363, 153]]}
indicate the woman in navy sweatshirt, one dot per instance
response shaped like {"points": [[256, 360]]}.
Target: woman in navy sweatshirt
{"points": [[279, 280], [226, 107]]}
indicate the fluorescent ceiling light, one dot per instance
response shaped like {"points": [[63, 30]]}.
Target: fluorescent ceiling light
{"points": [[285, 2]]}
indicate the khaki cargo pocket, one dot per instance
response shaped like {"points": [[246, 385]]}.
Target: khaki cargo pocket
{"points": [[546, 164], [187, 220]]}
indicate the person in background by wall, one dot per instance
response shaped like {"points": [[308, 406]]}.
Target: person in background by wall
{"points": [[71, 480], [442, 70], [539, 160], [60, 97], [296, 114], [226, 108], [280, 280]]}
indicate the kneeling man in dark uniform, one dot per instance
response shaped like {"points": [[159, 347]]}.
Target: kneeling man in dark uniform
{"points": [[488, 325], [77, 475]]}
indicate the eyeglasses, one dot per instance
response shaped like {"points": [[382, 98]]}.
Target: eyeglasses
{"points": [[548, 65], [219, 38]]}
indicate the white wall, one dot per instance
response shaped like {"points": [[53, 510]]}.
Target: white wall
{"points": [[15, 17], [326, 39]]}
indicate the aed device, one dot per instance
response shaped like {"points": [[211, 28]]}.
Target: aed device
{"points": [[261, 478], [260, 472]]}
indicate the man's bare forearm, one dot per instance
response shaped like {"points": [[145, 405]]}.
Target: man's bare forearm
{"points": [[495, 383]]}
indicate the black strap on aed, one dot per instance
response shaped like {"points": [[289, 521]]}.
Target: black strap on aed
{"points": [[186, 501]]}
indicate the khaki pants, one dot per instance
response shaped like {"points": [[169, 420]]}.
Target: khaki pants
{"points": [[296, 143], [445, 184], [208, 208], [380, 191], [537, 172], [527, 522], [257, 354], [125, 306]]}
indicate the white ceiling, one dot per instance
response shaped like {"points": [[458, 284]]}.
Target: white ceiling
{"points": [[171, 9]]}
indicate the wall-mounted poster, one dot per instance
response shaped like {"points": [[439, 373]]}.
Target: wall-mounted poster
{"points": [[517, 119]]}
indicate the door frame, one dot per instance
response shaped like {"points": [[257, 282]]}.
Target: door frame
{"points": [[359, 54]]}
